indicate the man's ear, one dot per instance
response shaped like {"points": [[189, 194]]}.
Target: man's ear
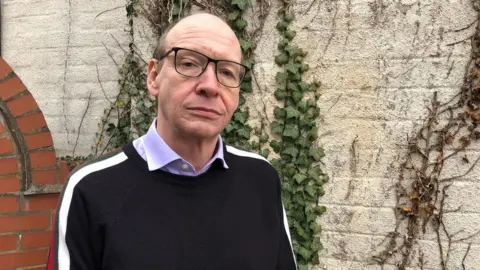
{"points": [[152, 74]]}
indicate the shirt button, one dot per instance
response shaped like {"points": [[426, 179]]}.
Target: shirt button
{"points": [[185, 166]]}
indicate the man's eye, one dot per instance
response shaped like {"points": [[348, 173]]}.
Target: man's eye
{"points": [[188, 64], [227, 73]]}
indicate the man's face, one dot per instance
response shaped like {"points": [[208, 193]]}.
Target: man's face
{"points": [[198, 107]]}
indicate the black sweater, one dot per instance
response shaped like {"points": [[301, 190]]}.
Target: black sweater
{"points": [[115, 214]]}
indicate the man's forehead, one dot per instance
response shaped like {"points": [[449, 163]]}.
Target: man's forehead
{"points": [[213, 41]]}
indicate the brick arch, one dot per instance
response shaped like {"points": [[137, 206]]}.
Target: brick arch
{"points": [[28, 153], [30, 176]]}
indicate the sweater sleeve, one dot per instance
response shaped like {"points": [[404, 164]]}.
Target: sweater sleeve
{"points": [[78, 241]]}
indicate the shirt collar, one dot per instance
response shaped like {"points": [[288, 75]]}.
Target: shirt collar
{"points": [[159, 154]]}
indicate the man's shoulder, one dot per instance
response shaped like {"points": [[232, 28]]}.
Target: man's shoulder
{"points": [[252, 161], [97, 165], [238, 152]]}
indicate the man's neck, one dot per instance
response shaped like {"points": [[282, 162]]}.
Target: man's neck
{"points": [[194, 150]]}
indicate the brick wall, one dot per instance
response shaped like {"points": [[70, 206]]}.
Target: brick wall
{"points": [[30, 177]]}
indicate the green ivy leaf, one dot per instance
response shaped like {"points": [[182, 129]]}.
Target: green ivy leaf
{"points": [[311, 103], [299, 177], [279, 113], [292, 50], [233, 15], [280, 94], [282, 26], [301, 232], [305, 253], [276, 127], [243, 133], [281, 78], [291, 112], [281, 59], [292, 68], [249, 63], [302, 267], [244, 44], [289, 34], [316, 245], [312, 135], [289, 17], [303, 86], [316, 153], [240, 117], [302, 106], [246, 87], [297, 96], [276, 146], [302, 160], [265, 152], [311, 191], [292, 86], [241, 100], [291, 151], [319, 210], [321, 191], [291, 131], [240, 24], [283, 42], [241, 4]]}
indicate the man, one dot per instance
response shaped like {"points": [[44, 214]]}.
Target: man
{"points": [[178, 198]]}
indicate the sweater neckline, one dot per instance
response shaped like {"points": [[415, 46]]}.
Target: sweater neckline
{"points": [[132, 154]]}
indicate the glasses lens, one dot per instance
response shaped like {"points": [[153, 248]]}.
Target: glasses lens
{"points": [[190, 63], [230, 73]]}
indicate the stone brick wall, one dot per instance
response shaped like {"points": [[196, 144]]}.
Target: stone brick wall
{"points": [[379, 62]]}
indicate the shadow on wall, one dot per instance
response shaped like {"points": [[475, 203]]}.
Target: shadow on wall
{"points": [[31, 177]]}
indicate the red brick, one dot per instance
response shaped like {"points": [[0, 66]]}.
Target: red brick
{"points": [[9, 184], [44, 177], [2, 128], [31, 122], [5, 69], [22, 259], [22, 105], [8, 165], [8, 204], [40, 202], [39, 140], [11, 87], [8, 242], [38, 239], [64, 171], [43, 159], [6, 146], [24, 222]]}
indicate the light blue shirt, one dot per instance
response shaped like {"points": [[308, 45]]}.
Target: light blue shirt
{"points": [[158, 155]]}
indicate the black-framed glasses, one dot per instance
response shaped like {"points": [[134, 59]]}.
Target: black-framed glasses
{"points": [[192, 64]]}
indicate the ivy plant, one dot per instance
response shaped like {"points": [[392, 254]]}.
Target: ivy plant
{"points": [[296, 131], [238, 132]]}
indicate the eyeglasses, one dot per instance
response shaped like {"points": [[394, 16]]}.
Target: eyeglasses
{"points": [[192, 64]]}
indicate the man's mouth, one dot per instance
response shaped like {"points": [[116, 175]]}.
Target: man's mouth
{"points": [[204, 112]]}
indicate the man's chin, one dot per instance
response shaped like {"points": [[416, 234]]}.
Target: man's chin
{"points": [[202, 131]]}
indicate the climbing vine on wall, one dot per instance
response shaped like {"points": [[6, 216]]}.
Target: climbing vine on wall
{"points": [[131, 113], [295, 126]]}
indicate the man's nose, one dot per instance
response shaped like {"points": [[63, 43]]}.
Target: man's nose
{"points": [[209, 84]]}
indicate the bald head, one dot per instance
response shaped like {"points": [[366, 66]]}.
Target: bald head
{"points": [[202, 30]]}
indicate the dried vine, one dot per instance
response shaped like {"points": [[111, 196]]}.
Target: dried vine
{"points": [[449, 129]]}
